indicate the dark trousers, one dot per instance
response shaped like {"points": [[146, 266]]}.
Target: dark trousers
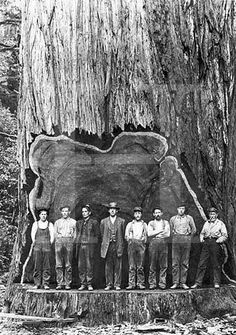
{"points": [[64, 253], [181, 246], [136, 252], [85, 263], [41, 267], [113, 265], [210, 251], [158, 253]]}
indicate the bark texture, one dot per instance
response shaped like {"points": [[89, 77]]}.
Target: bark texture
{"points": [[116, 307]]}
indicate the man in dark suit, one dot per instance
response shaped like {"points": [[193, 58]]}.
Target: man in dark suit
{"points": [[112, 234], [87, 233]]}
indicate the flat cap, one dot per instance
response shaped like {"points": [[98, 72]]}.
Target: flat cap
{"points": [[138, 209], [181, 204], [212, 210]]}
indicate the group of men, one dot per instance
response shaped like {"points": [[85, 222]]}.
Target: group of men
{"points": [[112, 234]]}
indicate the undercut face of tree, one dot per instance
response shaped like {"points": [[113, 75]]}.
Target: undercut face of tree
{"points": [[133, 171]]}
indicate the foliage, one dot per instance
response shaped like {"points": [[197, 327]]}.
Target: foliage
{"points": [[9, 53], [8, 186], [7, 238]]}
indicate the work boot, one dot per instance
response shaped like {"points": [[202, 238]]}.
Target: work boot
{"points": [[130, 287], [152, 287], [174, 286], [141, 287], [185, 287], [82, 287], [36, 287], [162, 286], [107, 288], [195, 286], [59, 287]]}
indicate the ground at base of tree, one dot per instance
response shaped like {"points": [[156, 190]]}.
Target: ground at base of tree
{"points": [[216, 326]]}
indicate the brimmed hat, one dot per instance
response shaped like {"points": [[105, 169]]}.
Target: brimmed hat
{"points": [[212, 210], [113, 205], [138, 209]]}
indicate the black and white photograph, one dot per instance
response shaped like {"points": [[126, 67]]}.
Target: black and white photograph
{"points": [[117, 167]]}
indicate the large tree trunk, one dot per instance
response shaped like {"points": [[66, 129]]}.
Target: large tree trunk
{"points": [[106, 66], [94, 308]]}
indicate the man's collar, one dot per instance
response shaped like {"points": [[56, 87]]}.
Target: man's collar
{"points": [[43, 221], [181, 216], [212, 221], [134, 220]]}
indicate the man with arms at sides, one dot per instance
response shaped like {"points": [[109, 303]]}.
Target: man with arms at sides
{"points": [[159, 232], [112, 235], [87, 234], [65, 233], [136, 235], [182, 230], [42, 234], [213, 233]]}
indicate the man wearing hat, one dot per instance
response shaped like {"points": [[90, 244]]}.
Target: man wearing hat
{"points": [[87, 233], [213, 233], [112, 234], [136, 235], [182, 230]]}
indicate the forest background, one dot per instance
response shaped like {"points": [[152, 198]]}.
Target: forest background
{"points": [[10, 19]]}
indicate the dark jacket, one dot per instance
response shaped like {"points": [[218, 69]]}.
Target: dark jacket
{"points": [[106, 233], [93, 231]]}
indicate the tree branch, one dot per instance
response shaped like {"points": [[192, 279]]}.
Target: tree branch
{"points": [[7, 135], [9, 48], [6, 47], [10, 21]]}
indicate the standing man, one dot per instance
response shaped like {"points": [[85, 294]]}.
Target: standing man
{"points": [[112, 234], [182, 229], [65, 232], [159, 232], [87, 233], [213, 233], [136, 235], [42, 236]]}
